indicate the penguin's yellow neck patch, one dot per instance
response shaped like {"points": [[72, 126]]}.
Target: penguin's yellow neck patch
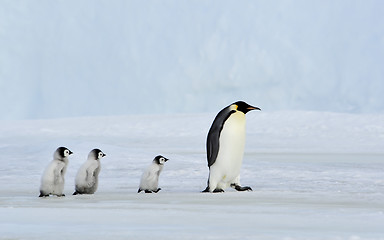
{"points": [[234, 107]]}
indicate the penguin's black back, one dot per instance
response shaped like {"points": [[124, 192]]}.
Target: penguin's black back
{"points": [[214, 134]]}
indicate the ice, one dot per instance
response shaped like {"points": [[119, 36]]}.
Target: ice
{"points": [[315, 175]]}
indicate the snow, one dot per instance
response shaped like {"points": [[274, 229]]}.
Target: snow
{"points": [[315, 175], [156, 73]]}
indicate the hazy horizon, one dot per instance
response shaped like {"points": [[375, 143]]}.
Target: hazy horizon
{"points": [[98, 58]]}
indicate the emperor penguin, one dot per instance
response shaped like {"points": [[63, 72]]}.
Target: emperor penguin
{"points": [[87, 177], [150, 179], [225, 148], [52, 181]]}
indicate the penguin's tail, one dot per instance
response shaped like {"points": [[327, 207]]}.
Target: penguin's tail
{"points": [[207, 188]]}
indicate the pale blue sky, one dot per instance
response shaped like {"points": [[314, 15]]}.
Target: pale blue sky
{"points": [[86, 58]]}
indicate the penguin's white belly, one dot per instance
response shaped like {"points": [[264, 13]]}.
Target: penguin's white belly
{"points": [[231, 149]]}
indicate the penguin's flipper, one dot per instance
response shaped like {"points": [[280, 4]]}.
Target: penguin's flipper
{"points": [[240, 188], [212, 148], [214, 135]]}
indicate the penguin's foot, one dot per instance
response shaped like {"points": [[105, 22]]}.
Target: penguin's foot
{"points": [[75, 193], [60, 195], [148, 191], [240, 188], [43, 195], [218, 190]]}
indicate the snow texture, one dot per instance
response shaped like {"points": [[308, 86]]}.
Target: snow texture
{"points": [[85, 58], [315, 175]]}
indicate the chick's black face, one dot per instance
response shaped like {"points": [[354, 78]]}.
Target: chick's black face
{"points": [[160, 159], [97, 153], [245, 107], [64, 152]]}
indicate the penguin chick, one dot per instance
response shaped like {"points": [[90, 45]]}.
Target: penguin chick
{"points": [[150, 178], [52, 181], [87, 177], [225, 148]]}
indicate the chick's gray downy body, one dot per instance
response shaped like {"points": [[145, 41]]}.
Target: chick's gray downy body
{"points": [[150, 178], [87, 178], [52, 181]]}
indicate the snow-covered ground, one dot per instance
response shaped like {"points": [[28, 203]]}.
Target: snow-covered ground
{"points": [[315, 175]]}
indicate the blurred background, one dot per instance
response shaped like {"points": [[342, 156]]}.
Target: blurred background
{"points": [[95, 58]]}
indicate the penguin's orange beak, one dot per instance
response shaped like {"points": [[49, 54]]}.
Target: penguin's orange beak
{"points": [[253, 108]]}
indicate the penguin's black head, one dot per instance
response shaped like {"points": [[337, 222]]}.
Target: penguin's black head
{"points": [[96, 154], [244, 107], [160, 159], [62, 152]]}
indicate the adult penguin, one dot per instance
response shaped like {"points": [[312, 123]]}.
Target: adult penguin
{"points": [[225, 148]]}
